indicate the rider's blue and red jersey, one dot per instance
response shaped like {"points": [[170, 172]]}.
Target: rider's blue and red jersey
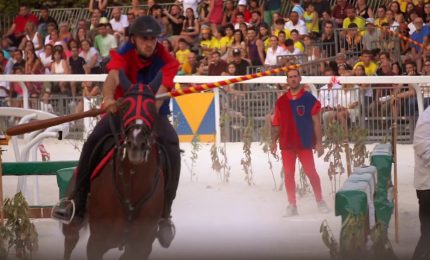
{"points": [[139, 71]]}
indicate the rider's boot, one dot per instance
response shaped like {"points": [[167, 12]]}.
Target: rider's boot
{"points": [[166, 227], [71, 209]]}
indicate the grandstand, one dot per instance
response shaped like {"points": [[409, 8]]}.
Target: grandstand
{"points": [[363, 38]]}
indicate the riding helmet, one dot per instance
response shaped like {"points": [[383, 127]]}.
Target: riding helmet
{"points": [[145, 26]]}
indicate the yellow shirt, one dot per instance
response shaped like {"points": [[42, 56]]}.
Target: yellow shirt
{"points": [[287, 33], [266, 44], [359, 21], [370, 69], [299, 45], [207, 44], [226, 41], [182, 56], [309, 17], [380, 21], [187, 68]]}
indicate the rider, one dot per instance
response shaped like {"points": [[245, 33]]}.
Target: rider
{"points": [[141, 58]]}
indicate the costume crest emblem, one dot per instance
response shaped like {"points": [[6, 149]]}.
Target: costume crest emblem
{"points": [[300, 110]]}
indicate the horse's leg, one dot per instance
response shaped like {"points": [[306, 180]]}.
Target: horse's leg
{"points": [[71, 238], [136, 250], [96, 247]]}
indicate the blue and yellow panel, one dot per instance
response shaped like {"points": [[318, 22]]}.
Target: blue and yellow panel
{"points": [[194, 115]]}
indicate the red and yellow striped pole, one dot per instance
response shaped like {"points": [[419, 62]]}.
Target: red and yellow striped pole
{"points": [[222, 83], [401, 36]]}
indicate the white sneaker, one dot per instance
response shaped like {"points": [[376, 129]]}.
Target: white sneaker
{"points": [[291, 211], [322, 206]]}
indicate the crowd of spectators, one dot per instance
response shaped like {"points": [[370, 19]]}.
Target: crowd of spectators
{"points": [[217, 37]]}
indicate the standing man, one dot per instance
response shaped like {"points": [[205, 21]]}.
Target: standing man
{"points": [[422, 182], [141, 58], [296, 124]]}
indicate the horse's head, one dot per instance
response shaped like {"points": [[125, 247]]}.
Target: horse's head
{"points": [[138, 112]]}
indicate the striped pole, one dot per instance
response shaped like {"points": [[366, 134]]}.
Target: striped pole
{"points": [[222, 83], [401, 36]]}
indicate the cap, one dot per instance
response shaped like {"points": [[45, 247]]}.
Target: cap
{"points": [[370, 21], [241, 2], [236, 51], [145, 26], [103, 20]]}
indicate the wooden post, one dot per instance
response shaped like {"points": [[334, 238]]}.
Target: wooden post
{"points": [[394, 150], [3, 141]]}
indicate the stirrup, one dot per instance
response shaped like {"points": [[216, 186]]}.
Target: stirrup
{"points": [[58, 205], [163, 240]]}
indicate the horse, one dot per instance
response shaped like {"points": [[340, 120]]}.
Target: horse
{"points": [[126, 198]]}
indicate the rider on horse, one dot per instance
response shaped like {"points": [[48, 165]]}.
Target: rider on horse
{"points": [[142, 57]]}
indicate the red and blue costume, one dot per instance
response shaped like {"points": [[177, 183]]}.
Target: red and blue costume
{"points": [[293, 115]]}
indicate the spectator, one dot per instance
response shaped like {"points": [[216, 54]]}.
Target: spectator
{"points": [[353, 39], [64, 33], [380, 16], [135, 9], [92, 58], [176, 20], [82, 24], [296, 23], [270, 8], [44, 20], [72, 43], [394, 7], [33, 65], [371, 37], [216, 43], [296, 39], [363, 10], [216, 64], [421, 32], [254, 5], [215, 14], [202, 68], [328, 40], [280, 27], [77, 65], [17, 30], [367, 62], [238, 43], [321, 6], [273, 52], [169, 46], [104, 42], [190, 28], [89, 90], [182, 52], [227, 39], [51, 27], [190, 4], [410, 25], [15, 61], [240, 19], [118, 22], [426, 15], [95, 6], [45, 104], [60, 66], [396, 69], [347, 109], [310, 16], [32, 35], [204, 12], [206, 46], [255, 48], [231, 71], [328, 96], [81, 34], [290, 49], [263, 34], [241, 64], [229, 10], [339, 11], [353, 18], [392, 23], [4, 90], [312, 50], [94, 31], [190, 66], [46, 58], [297, 8], [15, 88], [256, 19], [242, 8], [3, 60]]}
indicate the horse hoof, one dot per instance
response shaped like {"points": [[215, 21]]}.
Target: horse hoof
{"points": [[166, 232]]}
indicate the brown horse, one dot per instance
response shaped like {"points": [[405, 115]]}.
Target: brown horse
{"points": [[127, 196]]}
